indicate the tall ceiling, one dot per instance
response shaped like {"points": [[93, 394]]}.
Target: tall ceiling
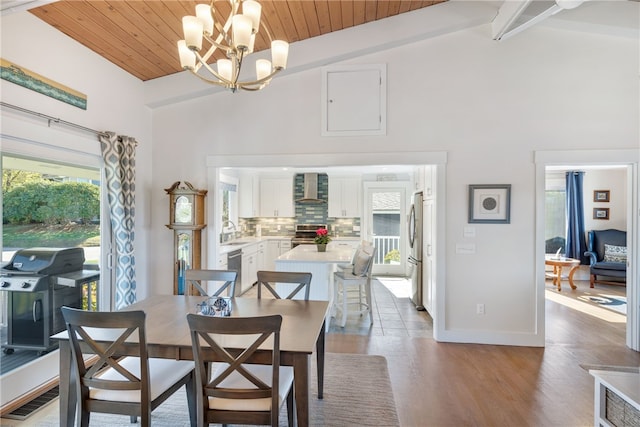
{"points": [[140, 36]]}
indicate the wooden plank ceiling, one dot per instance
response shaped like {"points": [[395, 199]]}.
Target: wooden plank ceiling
{"points": [[140, 36]]}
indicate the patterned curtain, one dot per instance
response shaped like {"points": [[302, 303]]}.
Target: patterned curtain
{"points": [[119, 157], [576, 242]]}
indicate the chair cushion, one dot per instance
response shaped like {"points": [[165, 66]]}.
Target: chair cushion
{"points": [[614, 253], [163, 373], [235, 380], [361, 263]]}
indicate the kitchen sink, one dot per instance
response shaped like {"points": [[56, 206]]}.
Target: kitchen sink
{"points": [[234, 243]]}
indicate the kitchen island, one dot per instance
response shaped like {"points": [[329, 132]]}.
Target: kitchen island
{"points": [[321, 265]]}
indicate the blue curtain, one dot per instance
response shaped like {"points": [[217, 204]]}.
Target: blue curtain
{"points": [[119, 154], [576, 243]]}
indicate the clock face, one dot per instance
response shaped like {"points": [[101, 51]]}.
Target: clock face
{"points": [[184, 210]]}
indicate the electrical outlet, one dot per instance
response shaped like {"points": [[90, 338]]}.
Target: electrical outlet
{"points": [[480, 309]]}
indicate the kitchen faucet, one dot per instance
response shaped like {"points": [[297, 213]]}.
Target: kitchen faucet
{"points": [[229, 222]]}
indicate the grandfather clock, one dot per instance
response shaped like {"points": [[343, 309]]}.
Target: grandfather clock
{"points": [[186, 205]]}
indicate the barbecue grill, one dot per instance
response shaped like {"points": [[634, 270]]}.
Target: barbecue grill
{"points": [[35, 295], [305, 233]]}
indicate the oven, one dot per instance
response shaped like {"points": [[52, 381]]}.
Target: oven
{"points": [[305, 233], [35, 296]]}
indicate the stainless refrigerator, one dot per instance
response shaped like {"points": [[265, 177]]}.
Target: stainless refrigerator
{"points": [[415, 243]]}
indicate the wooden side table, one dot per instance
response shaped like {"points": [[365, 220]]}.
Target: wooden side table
{"points": [[558, 263]]}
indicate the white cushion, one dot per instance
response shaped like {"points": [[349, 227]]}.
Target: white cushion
{"points": [[614, 253], [163, 373], [235, 380], [361, 263]]}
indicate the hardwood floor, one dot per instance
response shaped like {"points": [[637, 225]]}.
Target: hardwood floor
{"points": [[442, 384]]}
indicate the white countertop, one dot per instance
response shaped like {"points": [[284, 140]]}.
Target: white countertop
{"points": [[309, 253]]}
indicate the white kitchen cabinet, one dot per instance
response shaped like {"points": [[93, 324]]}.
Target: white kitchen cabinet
{"points": [[276, 197], [344, 197], [221, 262], [275, 248], [248, 196], [261, 257], [249, 267]]}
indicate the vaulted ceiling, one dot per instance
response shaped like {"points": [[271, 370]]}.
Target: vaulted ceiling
{"points": [[140, 36]]}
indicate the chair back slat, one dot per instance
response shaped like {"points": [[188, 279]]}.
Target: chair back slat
{"points": [[269, 279], [195, 277], [208, 337]]}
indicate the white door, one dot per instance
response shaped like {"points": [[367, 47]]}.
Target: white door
{"points": [[385, 215]]}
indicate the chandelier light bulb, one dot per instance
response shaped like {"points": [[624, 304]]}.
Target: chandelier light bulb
{"points": [[253, 10], [263, 68], [279, 53], [225, 69], [203, 12], [192, 28], [187, 57], [241, 31]]}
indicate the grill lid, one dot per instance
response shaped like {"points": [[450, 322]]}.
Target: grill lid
{"points": [[46, 260]]}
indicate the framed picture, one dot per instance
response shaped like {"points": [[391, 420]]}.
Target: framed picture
{"points": [[600, 195], [600, 213], [490, 203]]}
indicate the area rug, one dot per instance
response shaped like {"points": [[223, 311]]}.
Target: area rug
{"points": [[357, 392], [612, 302]]}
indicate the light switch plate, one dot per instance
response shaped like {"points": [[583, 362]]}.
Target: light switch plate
{"points": [[469, 232], [465, 248]]}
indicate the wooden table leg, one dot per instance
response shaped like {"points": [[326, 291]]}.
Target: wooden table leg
{"points": [[67, 390], [320, 360], [571, 273], [559, 277], [301, 388]]}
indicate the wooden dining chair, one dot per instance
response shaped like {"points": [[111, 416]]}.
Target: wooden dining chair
{"points": [[225, 279], [352, 288], [269, 279], [132, 386], [238, 392]]}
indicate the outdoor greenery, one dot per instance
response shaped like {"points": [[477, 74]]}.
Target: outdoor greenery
{"points": [[392, 255], [40, 211]]}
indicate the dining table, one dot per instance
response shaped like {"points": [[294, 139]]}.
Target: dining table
{"points": [[167, 333]]}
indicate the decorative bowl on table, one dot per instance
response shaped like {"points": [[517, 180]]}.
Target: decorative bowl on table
{"points": [[215, 306]]}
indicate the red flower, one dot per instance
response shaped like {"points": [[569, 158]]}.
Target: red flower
{"points": [[322, 236]]}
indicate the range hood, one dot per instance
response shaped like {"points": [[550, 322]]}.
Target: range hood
{"points": [[310, 188]]}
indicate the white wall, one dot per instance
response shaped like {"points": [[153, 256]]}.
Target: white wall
{"points": [[114, 102], [614, 180], [489, 105]]}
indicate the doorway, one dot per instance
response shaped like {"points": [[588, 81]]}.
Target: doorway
{"points": [[627, 159], [385, 224]]}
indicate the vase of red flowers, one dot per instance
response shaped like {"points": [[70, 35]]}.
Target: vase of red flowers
{"points": [[322, 239]]}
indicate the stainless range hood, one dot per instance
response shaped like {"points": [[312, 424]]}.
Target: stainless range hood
{"points": [[310, 186]]}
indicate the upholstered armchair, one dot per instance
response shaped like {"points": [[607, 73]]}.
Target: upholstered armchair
{"points": [[607, 256]]}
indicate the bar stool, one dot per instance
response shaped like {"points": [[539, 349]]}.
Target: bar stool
{"points": [[352, 290]]}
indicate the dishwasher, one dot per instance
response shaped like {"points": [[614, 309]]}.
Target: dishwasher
{"points": [[234, 262]]}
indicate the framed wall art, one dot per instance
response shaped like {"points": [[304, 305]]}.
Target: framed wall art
{"points": [[600, 195], [490, 203], [600, 213]]}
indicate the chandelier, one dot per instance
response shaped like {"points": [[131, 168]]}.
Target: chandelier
{"points": [[235, 36]]}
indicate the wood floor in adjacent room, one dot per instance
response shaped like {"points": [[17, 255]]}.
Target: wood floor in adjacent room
{"points": [[441, 384]]}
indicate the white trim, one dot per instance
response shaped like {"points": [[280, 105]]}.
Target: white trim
{"points": [[628, 157], [329, 159]]}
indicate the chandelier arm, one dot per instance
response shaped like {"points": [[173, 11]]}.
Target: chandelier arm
{"points": [[264, 81], [210, 81], [215, 44], [223, 81], [223, 30]]}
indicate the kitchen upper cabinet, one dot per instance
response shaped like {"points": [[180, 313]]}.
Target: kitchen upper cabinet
{"points": [[344, 197], [276, 197], [248, 196]]}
